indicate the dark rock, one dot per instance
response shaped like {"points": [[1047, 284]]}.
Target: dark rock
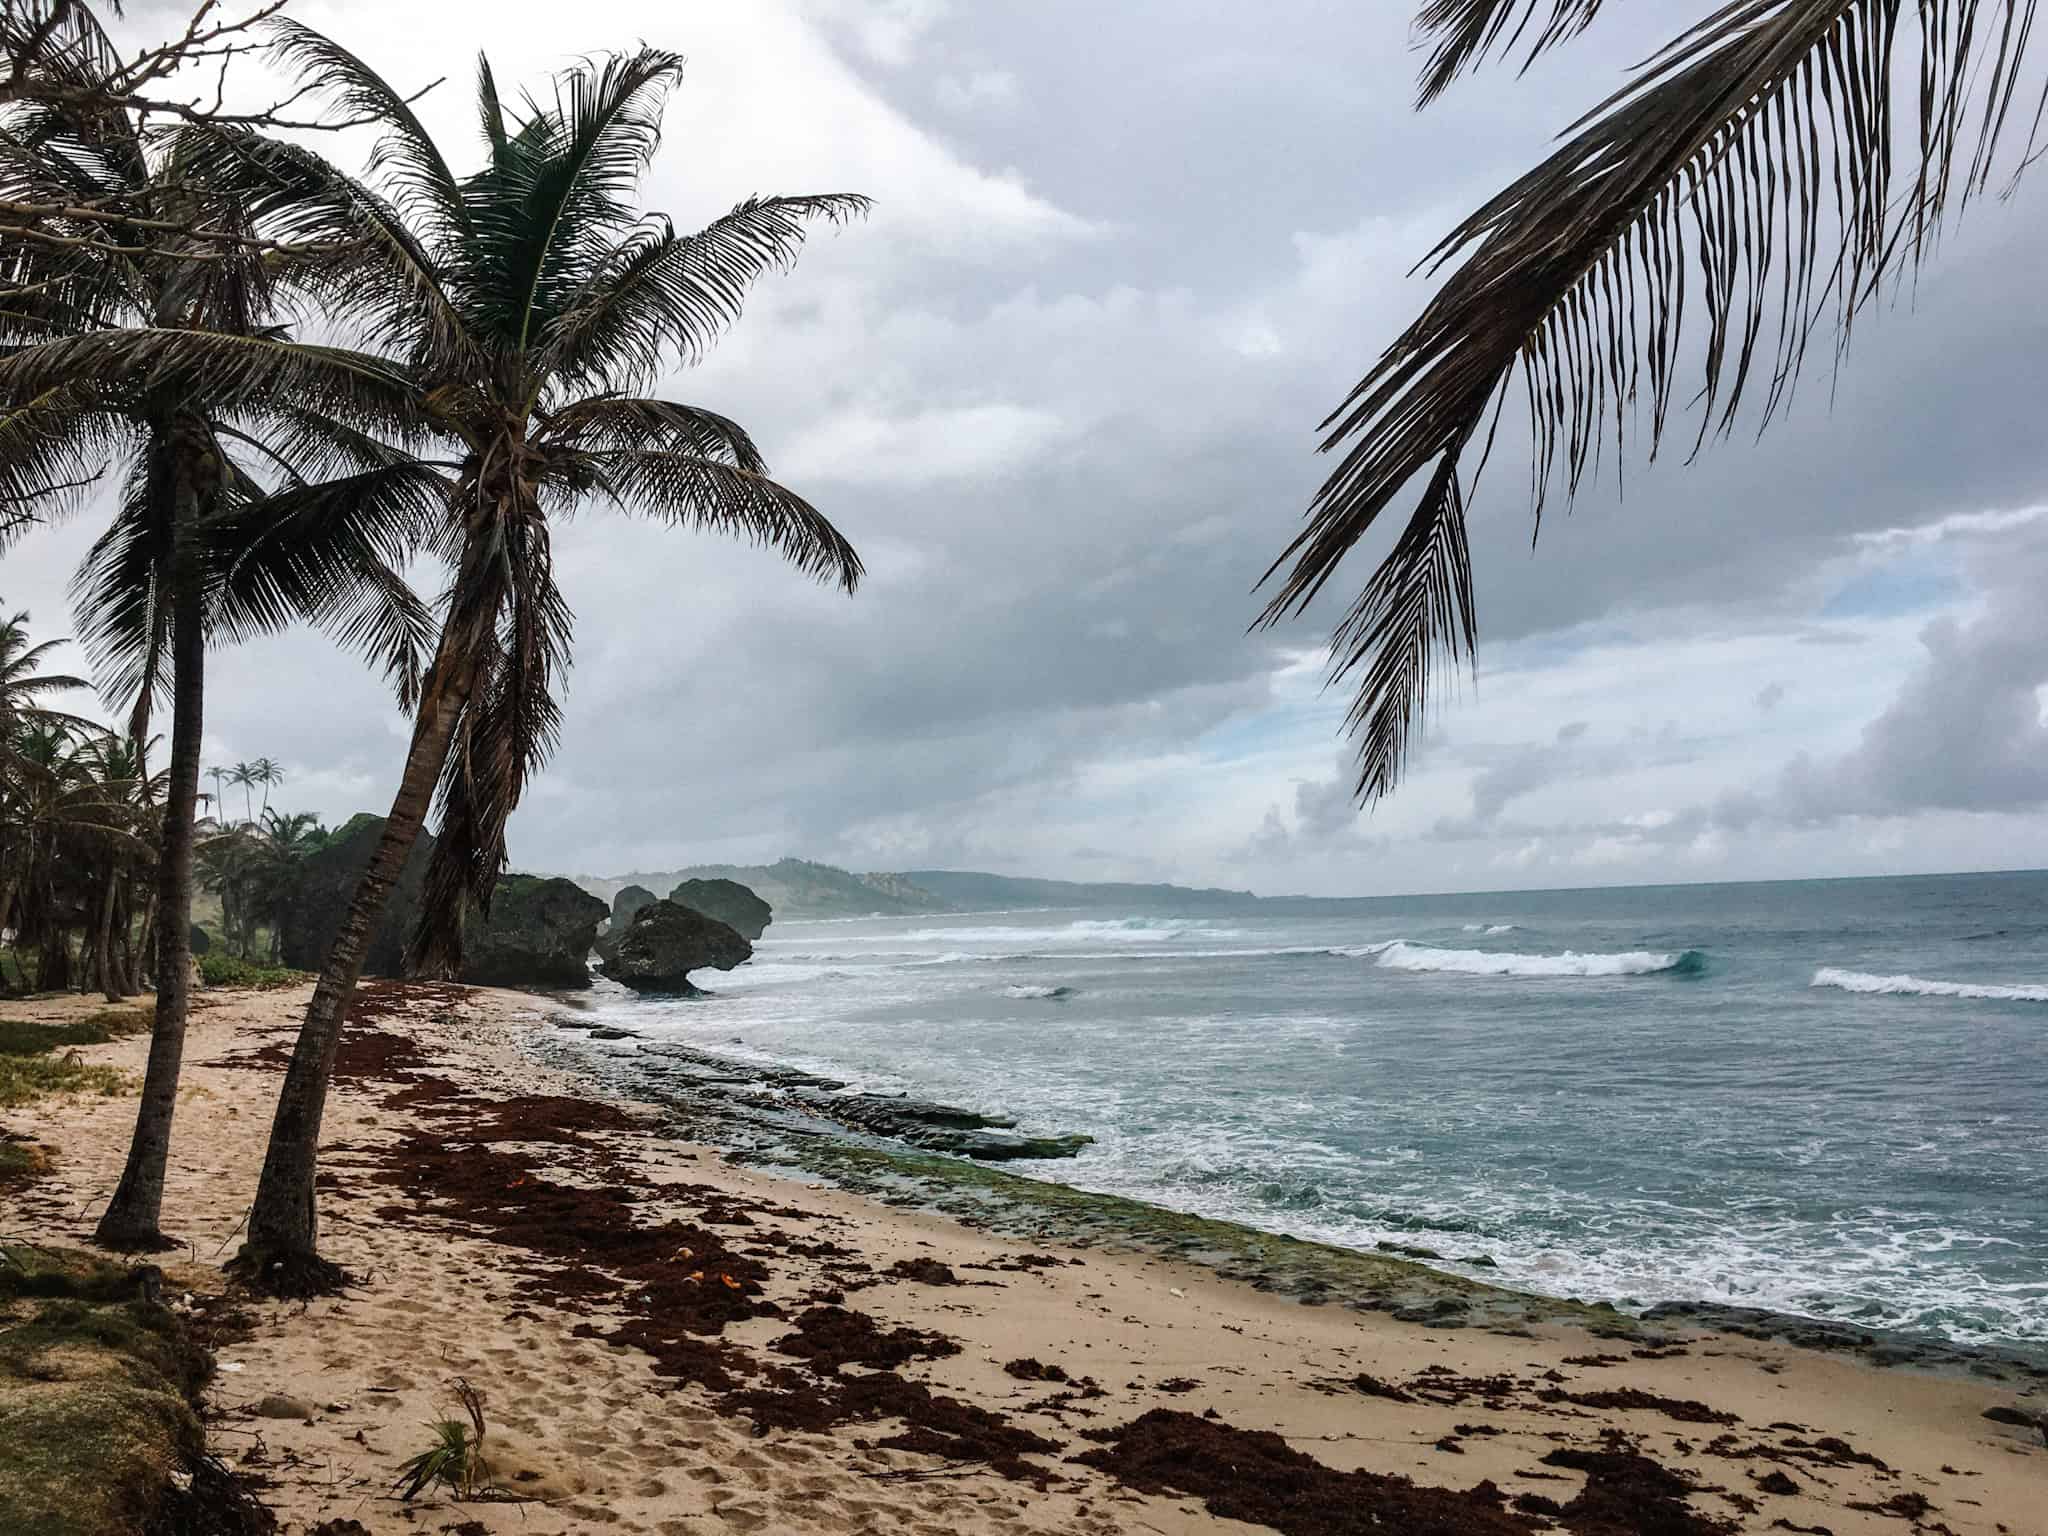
{"points": [[665, 942], [324, 884], [629, 901], [609, 1033], [727, 901], [539, 932], [539, 935], [202, 941], [944, 1127]]}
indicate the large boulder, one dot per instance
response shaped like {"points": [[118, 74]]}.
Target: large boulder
{"points": [[325, 883], [629, 901], [539, 934], [665, 942], [729, 902]]}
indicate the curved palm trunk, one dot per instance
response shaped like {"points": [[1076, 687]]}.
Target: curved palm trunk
{"points": [[133, 1217], [281, 1253]]}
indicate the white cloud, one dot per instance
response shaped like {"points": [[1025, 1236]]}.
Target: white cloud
{"points": [[978, 90], [945, 443]]}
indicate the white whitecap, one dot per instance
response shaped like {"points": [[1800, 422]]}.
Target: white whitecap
{"points": [[1403, 956], [1914, 986]]}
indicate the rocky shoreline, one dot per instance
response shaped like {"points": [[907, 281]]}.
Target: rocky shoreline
{"points": [[914, 1152]]}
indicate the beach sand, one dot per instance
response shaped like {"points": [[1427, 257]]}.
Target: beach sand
{"points": [[632, 1309]]}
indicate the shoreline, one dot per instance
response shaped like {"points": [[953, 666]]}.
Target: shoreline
{"points": [[707, 1090], [825, 1361]]}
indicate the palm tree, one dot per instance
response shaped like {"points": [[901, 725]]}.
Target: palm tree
{"points": [[268, 773], [162, 354], [534, 305], [1747, 184], [244, 775]]}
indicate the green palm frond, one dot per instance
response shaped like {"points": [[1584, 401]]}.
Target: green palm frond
{"points": [[1743, 187], [558, 194], [617, 421], [664, 298], [694, 492]]}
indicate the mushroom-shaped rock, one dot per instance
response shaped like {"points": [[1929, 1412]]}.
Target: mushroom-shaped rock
{"points": [[664, 942], [729, 902]]}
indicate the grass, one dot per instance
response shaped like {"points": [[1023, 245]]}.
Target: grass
{"points": [[96, 1386], [223, 970], [31, 1068]]}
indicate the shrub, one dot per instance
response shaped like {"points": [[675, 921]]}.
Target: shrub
{"points": [[224, 970]]}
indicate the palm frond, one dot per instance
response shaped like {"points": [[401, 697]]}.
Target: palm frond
{"points": [[122, 367], [703, 493], [1463, 32], [1743, 184], [380, 272], [665, 298], [558, 195], [618, 421], [121, 593], [328, 552], [425, 188]]}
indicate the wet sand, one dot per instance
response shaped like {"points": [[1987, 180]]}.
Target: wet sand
{"points": [[665, 1342]]}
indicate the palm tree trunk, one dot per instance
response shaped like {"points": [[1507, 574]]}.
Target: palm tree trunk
{"points": [[281, 1254], [110, 979], [133, 1217]]}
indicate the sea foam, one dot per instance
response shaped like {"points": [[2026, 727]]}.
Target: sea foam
{"points": [[1914, 986], [1028, 992], [1403, 956]]}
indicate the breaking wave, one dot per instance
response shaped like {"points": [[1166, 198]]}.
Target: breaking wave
{"points": [[1490, 927], [1022, 991], [1914, 986], [1403, 956]]}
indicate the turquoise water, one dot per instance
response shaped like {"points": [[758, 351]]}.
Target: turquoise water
{"points": [[1826, 1097]]}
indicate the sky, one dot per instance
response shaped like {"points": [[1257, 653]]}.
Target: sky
{"points": [[1061, 390]]}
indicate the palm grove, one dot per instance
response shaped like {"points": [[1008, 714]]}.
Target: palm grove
{"points": [[1756, 184], [490, 338]]}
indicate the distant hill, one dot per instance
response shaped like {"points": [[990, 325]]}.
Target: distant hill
{"points": [[969, 890], [798, 889], [795, 888]]}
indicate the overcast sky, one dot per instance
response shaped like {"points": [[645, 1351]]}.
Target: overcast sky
{"points": [[1061, 390]]}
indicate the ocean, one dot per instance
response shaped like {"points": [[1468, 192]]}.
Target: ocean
{"points": [[1826, 1098]]}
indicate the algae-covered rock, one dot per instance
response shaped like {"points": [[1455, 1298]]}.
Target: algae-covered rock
{"points": [[665, 942], [96, 1384], [729, 902], [539, 934], [630, 900], [325, 882]]}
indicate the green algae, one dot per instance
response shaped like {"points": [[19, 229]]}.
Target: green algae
{"points": [[96, 1384]]}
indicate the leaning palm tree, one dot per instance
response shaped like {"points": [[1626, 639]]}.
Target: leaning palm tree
{"points": [[1761, 178], [269, 773], [162, 354], [243, 777], [534, 304]]}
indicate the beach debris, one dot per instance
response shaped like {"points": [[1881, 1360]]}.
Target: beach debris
{"points": [[1029, 1369], [1256, 1476], [455, 1459], [279, 1406], [924, 1272], [1776, 1482]]}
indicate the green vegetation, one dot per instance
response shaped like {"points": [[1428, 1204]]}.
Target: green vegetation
{"points": [[218, 970], [31, 1067], [96, 1384], [455, 1460]]}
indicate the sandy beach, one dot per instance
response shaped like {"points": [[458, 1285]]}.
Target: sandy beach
{"points": [[664, 1342]]}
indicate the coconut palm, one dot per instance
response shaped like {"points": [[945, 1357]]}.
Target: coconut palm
{"points": [[269, 773], [534, 304], [243, 777], [163, 357], [1756, 181]]}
